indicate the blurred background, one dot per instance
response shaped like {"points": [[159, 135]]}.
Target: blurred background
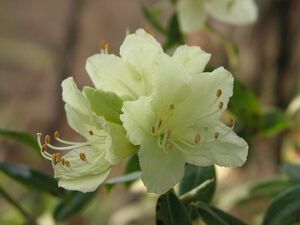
{"points": [[43, 42]]}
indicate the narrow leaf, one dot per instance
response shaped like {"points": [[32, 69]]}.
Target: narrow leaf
{"points": [[32, 178], [284, 209], [174, 35], [152, 18], [195, 176], [72, 205], [22, 137], [170, 211], [214, 216]]}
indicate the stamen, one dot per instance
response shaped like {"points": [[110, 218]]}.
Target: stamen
{"points": [[56, 134], [231, 122], [158, 124], [217, 135], [44, 147], [172, 107], [149, 30], [152, 130], [91, 132], [219, 93], [67, 163], [47, 139], [169, 145], [197, 138], [221, 104], [54, 158], [105, 47], [63, 162], [82, 156], [58, 157]]}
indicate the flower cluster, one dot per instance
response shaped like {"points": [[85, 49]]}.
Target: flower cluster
{"points": [[164, 108], [193, 13]]}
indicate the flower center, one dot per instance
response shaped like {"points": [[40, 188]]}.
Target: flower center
{"points": [[57, 157]]}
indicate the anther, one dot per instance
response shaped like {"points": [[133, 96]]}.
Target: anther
{"points": [[219, 93], [63, 162], [197, 138], [231, 122], [104, 45], [44, 147], [221, 104], [149, 30], [54, 158], [58, 157], [217, 135], [91, 132], [56, 134], [172, 107], [67, 163], [152, 130], [159, 122], [47, 139], [82, 156], [169, 145]]}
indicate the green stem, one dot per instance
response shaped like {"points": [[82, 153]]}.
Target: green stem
{"points": [[229, 46], [13, 202]]}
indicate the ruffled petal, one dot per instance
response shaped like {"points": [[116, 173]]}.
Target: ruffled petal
{"points": [[192, 58], [227, 150], [111, 73], [160, 170], [238, 12], [83, 175], [191, 14]]}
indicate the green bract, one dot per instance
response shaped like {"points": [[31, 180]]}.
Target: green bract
{"points": [[171, 108], [193, 13], [87, 164]]}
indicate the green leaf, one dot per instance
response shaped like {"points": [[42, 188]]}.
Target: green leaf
{"points": [[274, 122], [284, 209], [292, 170], [32, 178], [195, 176], [170, 211], [174, 35], [245, 106], [152, 17], [21, 137], [106, 104], [259, 190], [214, 216], [72, 205]]}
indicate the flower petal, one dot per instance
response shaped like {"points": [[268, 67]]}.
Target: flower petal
{"points": [[210, 93], [73, 96], [160, 170], [117, 145], [111, 73], [140, 49], [84, 175], [137, 118], [82, 123], [191, 14], [228, 150], [238, 12], [192, 58]]}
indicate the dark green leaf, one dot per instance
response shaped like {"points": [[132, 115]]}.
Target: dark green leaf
{"points": [[274, 122], [20, 136], [284, 209], [103, 103], [173, 35], [214, 216], [195, 176], [72, 205], [32, 178], [245, 105], [152, 18], [292, 170], [170, 211]]}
